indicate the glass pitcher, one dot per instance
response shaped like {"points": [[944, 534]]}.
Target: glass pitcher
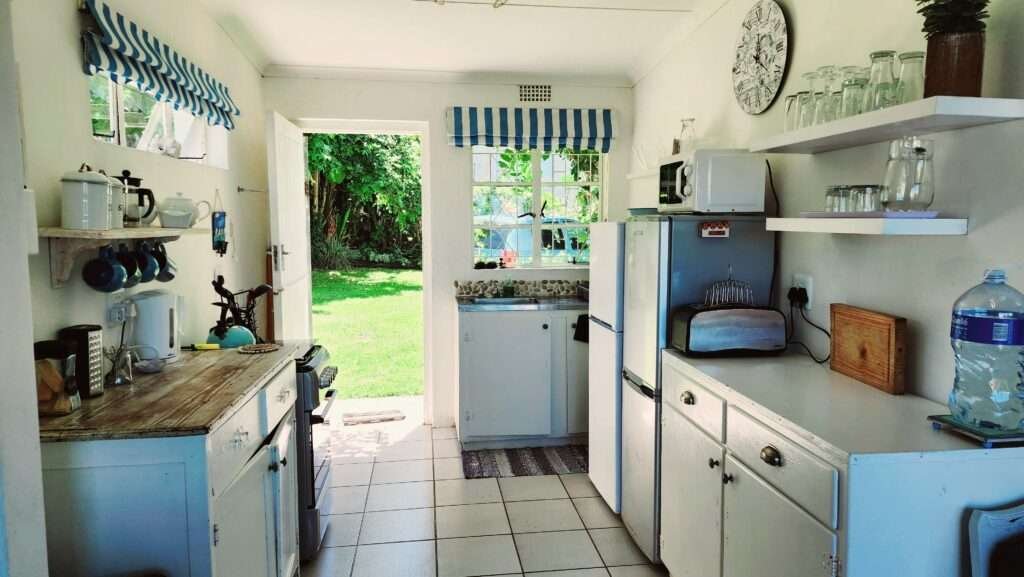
{"points": [[909, 176]]}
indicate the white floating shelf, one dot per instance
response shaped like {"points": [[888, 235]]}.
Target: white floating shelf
{"points": [[872, 226], [936, 114]]}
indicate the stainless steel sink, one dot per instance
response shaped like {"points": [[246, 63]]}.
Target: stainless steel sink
{"points": [[505, 301]]}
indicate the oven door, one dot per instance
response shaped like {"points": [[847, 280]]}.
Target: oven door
{"points": [[670, 185]]}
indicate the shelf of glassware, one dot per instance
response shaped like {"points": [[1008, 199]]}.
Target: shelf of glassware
{"points": [[936, 114], [872, 226]]}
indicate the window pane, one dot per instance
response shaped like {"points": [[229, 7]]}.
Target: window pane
{"points": [[502, 165], [572, 204], [563, 246], [502, 204], [511, 247], [567, 166], [137, 108], [102, 111]]}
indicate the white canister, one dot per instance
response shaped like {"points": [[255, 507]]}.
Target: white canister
{"points": [[118, 202], [86, 200]]}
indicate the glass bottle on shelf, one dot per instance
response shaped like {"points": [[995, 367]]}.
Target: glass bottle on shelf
{"points": [[881, 91], [911, 83], [804, 109]]}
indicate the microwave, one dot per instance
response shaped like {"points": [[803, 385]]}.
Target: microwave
{"points": [[712, 181]]}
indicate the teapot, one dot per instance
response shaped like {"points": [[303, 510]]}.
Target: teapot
{"points": [[180, 212]]}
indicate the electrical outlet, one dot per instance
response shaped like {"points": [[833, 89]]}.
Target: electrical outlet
{"points": [[805, 282], [119, 310]]}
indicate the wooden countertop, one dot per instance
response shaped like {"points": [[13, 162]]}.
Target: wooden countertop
{"points": [[190, 397]]}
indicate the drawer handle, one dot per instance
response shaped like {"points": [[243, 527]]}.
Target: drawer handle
{"points": [[727, 478], [283, 395], [545, 326], [771, 456], [712, 463], [688, 398], [241, 437]]}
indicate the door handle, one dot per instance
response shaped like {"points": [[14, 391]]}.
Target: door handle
{"points": [[727, 478], [712, 463], [688, 398]]}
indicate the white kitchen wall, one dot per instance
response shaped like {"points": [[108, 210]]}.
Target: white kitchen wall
{"points": [[58, 139], [448, 205], [979, 172], [22, 528]]}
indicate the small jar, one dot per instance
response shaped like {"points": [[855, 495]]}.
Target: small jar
{"points": [[911, 83], [881, 91]]}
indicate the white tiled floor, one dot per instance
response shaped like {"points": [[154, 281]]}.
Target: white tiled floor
{"points": [[402, 508]]}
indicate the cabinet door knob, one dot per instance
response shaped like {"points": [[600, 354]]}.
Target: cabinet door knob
{"points": [[284, 461], [727, 478], [545, 326], [688, 398], [712, 463], [771, 456]]}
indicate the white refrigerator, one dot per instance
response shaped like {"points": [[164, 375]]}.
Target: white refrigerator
{"points": [[607, 248]]}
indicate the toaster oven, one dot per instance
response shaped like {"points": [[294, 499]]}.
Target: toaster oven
{"points": [[712, 181]]}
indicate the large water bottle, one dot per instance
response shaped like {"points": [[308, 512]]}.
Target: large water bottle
{"points": [[988, 343]]}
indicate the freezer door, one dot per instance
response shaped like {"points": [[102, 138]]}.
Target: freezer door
{"points": [[640, 474], [607, 244], [605, 404], [646, 297]]}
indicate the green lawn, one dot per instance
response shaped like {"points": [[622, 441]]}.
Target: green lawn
{"points": [[371, 321]]}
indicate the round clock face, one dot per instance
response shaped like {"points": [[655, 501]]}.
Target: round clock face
{"points": [[762, 53]]}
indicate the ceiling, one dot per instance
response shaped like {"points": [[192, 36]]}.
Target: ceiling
{"points": [[596, 40]]}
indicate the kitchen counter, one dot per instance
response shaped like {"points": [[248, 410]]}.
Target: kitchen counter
{"points": [[827, 408], [190, 397], [480, 304]]}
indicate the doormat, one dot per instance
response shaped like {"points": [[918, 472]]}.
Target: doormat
{"points": [[351, 419], [492, 463]]}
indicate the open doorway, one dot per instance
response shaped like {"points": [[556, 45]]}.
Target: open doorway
{"points": [[366, 240]]}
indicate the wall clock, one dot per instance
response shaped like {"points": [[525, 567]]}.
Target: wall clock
{"points": [[762, 57]]}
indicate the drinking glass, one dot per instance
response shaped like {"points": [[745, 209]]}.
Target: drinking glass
{"points": [[853, 96], [881, 91], [822, 106], [911, 83], [807, 111], [792, 112]]}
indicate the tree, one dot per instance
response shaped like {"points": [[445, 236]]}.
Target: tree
{"points": [[365, 194]]}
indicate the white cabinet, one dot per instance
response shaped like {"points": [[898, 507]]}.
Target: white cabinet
{"points": [[768, 535], [505, 374], [284, 460], [691, 502], [243, 522], [522, 375], [577, 379]]}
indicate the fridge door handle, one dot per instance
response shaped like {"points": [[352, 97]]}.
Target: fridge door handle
{"points": [[636, 386]]}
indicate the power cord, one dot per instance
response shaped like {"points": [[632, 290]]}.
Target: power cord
{"points": [[797, 300]]}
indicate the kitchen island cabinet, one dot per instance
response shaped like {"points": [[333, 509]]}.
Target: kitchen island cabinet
{"points": [[186, 473], [522, 375], [779, 467]]}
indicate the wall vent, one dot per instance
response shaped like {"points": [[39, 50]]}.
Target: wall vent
{"points": [[534, 93]]}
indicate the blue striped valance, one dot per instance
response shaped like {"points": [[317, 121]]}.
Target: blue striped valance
{"points": [[131, 55], [532, 128]]}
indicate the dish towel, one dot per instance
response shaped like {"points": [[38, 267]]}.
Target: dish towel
{"points": [[582, 333]]}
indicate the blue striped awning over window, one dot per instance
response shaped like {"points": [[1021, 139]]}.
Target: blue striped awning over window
{"points": [[532, 128], [131, 55]]}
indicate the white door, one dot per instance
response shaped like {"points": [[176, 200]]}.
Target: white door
{"points": [[691, 499], [640, 422], [766, 534], [284, 459], [645, 298], [605, 412], [289, 230], [606, 252], [243, 524], [576, 378], [505, 374]]}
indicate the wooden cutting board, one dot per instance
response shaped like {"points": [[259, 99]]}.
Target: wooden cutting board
{"points": [[870, 347]]}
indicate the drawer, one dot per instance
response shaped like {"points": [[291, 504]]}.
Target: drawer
{"points": [[804, 478], [230, 445], [276, 398], [695, 402]]}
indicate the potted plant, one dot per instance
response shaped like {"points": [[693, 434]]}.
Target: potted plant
{"points": [[956, 46]]}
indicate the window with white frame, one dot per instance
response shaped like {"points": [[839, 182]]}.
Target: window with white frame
{"points": [[129, 117], [533, 209]]}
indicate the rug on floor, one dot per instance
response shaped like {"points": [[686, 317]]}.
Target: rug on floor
{"points": [[524, 462]]}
